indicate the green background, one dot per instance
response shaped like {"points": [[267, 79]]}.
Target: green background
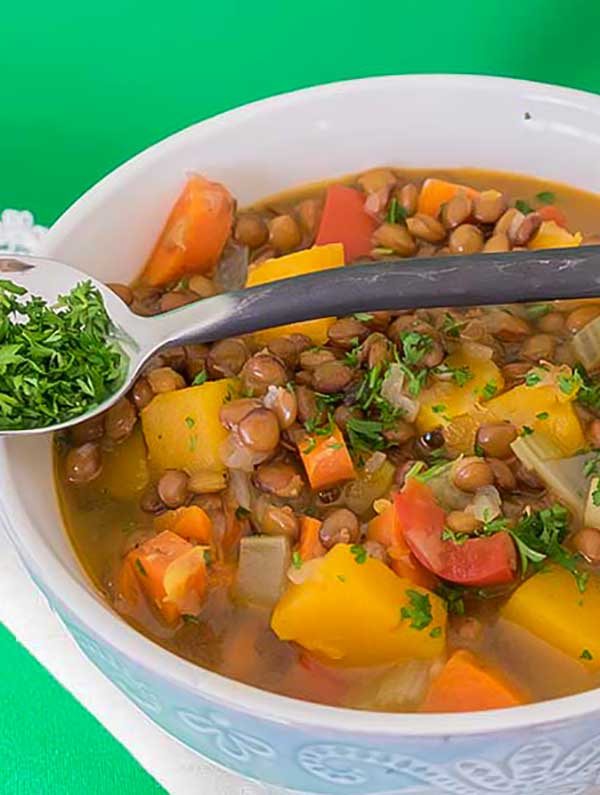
{"points": [[84, 86]]}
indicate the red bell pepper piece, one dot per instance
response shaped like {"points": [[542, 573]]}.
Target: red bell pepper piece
{"points": [[551, 213], [345, 221], [480, 561]]}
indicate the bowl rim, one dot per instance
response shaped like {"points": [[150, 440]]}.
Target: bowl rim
{"points": [[160, 663]]}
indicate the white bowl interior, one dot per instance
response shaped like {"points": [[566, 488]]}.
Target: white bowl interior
{"points": [[263, 148]]}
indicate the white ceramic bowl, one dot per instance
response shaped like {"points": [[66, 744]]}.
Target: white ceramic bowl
{"points": [[425, 120]]}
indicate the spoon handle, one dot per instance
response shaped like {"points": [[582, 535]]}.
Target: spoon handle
{"points": [[478, 279]]}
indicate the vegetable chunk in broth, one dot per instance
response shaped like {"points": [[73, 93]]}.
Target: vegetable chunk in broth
{"points": [[395, 511]]}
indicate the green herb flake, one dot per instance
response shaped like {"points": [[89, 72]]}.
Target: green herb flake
{"points": [[453, 596], [489, 390], [523, 206], [241, 512], [543, 415], [532, 378], [190, 422], [363, 317], [439, 408], [526, 430], [456, 538], [419, 611], [414, 346], [450, 326], [56, 362], [436, 632], [537, 311], [200, 378], [311, 445], [359, 552], [586, 654], [193, 443], [297, 560], [140, 567], [188, 618], [546, 197], [341, 577], [568, 384], [396, 212]]}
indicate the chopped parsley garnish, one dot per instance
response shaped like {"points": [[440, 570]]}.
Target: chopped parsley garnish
{"points": [[435, 632], [419, 611], [523, 206], [460, 375], [450, 326], [539, 535], [359, 552], [56, 362], [586, 654], [589, 390], [193, 443], [532, 378], [363, 317], [241, 512], [188, 618], [190, 422], [365, 434], [526, 430], [439, 408], [396, 212], [569, 383], [536, 311], [200, 378], [341, 577], [140, 567], [310, 446], [414, 346], [591, 468], [489, 390], [457, 538], [543, 415], [297, 560], [453, 595], [546, 197]]}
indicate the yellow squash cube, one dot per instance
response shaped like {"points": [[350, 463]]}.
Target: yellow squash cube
{"points": [[351, 613], [444, 400], [182, 428], [551, 606], [318, 258]]}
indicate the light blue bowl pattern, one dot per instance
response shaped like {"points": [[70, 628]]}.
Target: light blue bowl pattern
{"points": [[562, 758]]}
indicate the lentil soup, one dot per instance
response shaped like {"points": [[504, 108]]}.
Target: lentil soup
{"points": [[395, 511]]}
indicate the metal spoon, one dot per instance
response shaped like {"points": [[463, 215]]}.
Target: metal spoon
{"points": [[477, 279]]}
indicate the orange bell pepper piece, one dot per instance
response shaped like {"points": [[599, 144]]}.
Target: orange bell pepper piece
{"points": [[550, 212], [194, 235], [436, 192], [326, 459]]}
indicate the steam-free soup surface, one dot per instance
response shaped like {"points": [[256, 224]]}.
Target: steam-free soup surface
{"points": [[390, 511]]}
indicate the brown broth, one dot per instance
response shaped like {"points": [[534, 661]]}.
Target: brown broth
{"points": [[237, 641]]}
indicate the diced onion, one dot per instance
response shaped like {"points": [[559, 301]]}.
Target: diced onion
{"points": [[232, 270], [240, 487], [299, 575], [392, 391], [236, 455], [486, 505], [477, 350], [374, 462]]}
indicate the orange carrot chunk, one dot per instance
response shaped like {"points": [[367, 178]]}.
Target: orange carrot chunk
{"points": [[310, 542], [551, 213], [326, 459], [191, 522], [467, 685], [172, 574], [195, 233], [436, 192]]}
